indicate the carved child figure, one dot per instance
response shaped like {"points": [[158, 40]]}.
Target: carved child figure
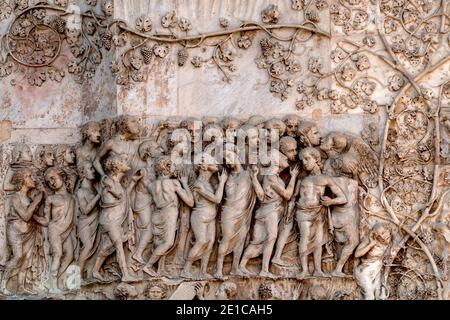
{"points": [[268, 215], [203, 217], [87, 224], [166, 193], [20, 229], [114, 215], [311, 209], [59, 213], [371, 251]]}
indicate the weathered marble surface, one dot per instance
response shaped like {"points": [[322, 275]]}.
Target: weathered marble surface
{"points": [[48, 105]]}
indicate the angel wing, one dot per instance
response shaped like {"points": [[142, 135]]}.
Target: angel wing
{"points": [[368, 161]]}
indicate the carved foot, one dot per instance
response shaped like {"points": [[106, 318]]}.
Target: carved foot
{"points": [[282, 263], [97, 276], [242, 272], [336, 273], [219, 275], [150, 272], [139, 259], [128, 279], [205, 276], [267, 274], [186, 274], [321, 274]]}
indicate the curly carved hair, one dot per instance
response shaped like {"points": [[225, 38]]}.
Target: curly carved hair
{"points": [[164, 166], [265, 291], [315, 153], [122, 123], [87, 128], [161, 286], [112, 164], [55, 170], [61, 152]]}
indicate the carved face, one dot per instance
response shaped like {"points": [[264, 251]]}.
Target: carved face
{"points": [[290, 151], [29, 181], [327, 144], [49, 158], [69, 156], [252, 137], [94, 134], [132, 125], [383, 235], [155, 293], [25, 155], [309, 161], [89, 171], [314, 136], [54, 181], [291, 126]]}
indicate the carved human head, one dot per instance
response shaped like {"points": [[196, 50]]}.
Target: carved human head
{"points": [[230, 155], [381, 232], [276, 125], [291, 121], [447, 177], [334, 143], [231, 123], [91, 131], [164, 167], [278, 162], [156, 291], [208, 163], [226, 291], [309, 134], [288, 146], [249, 134], [128, 125], [117, 164], [108, 7], [65, 154], [257, 121], [149, 149], [86, 170], [55, 178], [213, 132], [267, 291], [21, 153], [310, 158], [46, 155], [194, 126], [23, 177]]}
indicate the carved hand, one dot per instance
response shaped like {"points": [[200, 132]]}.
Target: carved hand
{"points": [[326, 201], [295, 171], [223, 177], [255, 171]]}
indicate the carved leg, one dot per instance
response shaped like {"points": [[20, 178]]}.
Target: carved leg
{"points": [[346, 252], [281, 243], [145, 236], [305, 228], [272, 231]]}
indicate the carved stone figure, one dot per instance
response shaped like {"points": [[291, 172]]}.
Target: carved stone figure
{"points": [[241, 190], [88, 219], [20, 232], [114, 214], [372, 251], [288, 147], [142, 202], [311, 210], [269, 214], [166, 193], [308, 134], [292, 122], [203, 215], [59, 216]]}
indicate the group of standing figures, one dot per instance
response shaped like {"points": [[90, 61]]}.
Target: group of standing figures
{"points": [[123, 197]]}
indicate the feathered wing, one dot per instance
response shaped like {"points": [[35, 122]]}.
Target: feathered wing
{"points": [[368, 161]]}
